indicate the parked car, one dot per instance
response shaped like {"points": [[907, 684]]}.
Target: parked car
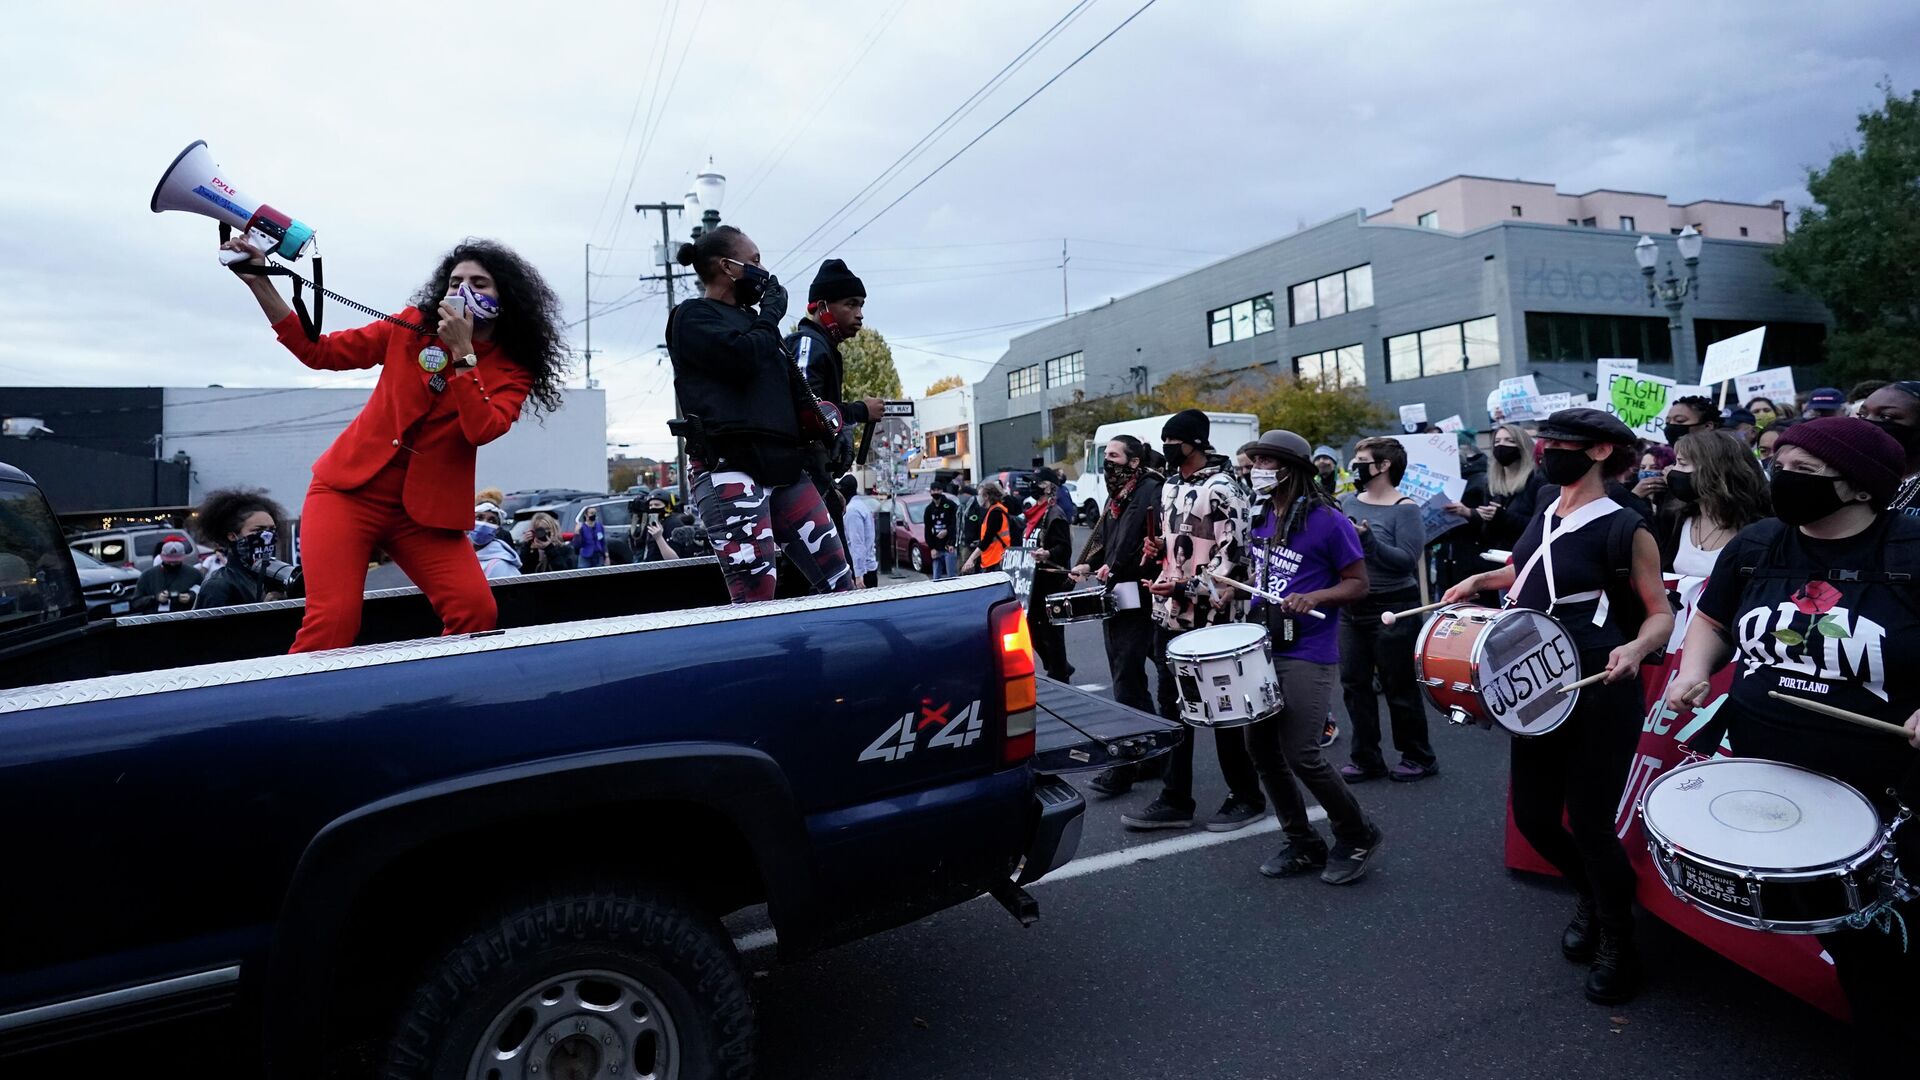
{"points": [[615, 514], [516, 501], [132, 547], [307, 844], [910, 532], [109, 589]]}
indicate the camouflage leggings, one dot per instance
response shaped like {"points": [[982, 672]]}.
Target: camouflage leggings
{"points": [[749, 525]]}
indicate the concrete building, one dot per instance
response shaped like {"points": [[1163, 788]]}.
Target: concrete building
{"points": [[945, 425], [216, 437], [1436, 314]]}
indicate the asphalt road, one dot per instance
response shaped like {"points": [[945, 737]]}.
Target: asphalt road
{"points": [[1440, 963]]}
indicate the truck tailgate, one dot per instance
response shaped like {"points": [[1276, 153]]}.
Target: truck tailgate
{"points": [[1076, 731]]}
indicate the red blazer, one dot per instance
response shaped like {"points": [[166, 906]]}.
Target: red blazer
{"points": [[436, 433]]}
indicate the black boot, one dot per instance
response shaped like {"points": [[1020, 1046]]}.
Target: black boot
{"points": [[1578, 941], [1615, 977]]}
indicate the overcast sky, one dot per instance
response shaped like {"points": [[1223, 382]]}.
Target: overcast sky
{"points": [[1203, 128]]}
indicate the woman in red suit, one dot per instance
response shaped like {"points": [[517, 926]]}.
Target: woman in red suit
{"points": [[399, 478]]}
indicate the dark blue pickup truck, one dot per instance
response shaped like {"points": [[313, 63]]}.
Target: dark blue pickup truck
{"points": [[504, 854]]}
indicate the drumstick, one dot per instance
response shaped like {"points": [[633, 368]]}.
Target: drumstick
{"points": [[1588, 681], [1267, 596], [1843, 714], [1387, 617]]}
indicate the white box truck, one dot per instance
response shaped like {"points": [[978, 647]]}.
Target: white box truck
{"points": [[1229, 432]]}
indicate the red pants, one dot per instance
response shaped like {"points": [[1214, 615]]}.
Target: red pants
{"points": [[338, 533]]}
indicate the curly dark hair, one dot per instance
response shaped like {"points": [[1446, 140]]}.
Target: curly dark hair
{"points": [[1709, 412], [529, 329], [222, 511]]}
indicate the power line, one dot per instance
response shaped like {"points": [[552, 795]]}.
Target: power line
{"points": [[801, 128], [991, 127], [614, 177], [946, 123]]}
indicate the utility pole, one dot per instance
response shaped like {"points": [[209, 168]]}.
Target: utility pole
{"points": [[1064, 309], [587, 279], [666, 274]]}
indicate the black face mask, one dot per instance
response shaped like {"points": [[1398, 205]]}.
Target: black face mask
{"points": [[1907, 437], [1563, 467], [1676, 432], [1362, 471], [752, 282], [1804, 498], [1680, 484], [1176, 454], [1507, 455]]}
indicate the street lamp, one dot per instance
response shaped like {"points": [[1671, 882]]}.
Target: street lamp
{"points": [[1674, 290], [711, 187]]}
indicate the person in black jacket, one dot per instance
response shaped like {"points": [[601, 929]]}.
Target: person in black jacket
{"points": [[836, 309], [740, 400], [1124, 551], [170, 585], [243, 524], [1050, 538], [943, 532]]}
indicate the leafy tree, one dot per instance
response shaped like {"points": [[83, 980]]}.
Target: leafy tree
{"points": [[870, 370], [1855, 248], [943, 384]]}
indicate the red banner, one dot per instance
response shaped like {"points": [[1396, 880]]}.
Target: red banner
{"points": [[1795, 963]]}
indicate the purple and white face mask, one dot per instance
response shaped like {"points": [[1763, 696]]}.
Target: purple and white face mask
{"points": [[482, 307]]}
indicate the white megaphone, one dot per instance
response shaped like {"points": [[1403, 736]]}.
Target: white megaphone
{"points": [[193, 183]]}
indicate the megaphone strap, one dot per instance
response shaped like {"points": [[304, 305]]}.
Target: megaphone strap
{"points": [[311, 324]]}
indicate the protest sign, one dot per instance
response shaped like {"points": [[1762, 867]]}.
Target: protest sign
{"points": [[1774, 384], [1433, 479], [1732, 356], [1640, 401], [1606, 368], [1412, 416], [1018, 563], [1451, 423], [1513, 400]]}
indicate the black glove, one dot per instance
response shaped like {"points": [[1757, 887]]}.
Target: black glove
{"points": [[773, 301]]}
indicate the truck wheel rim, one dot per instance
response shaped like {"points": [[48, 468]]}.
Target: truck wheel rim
{"points": [[581, 1024]]}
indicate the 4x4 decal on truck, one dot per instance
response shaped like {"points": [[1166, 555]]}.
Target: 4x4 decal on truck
{"points": [[897, 741]]}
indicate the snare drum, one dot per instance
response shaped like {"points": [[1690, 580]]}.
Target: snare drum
{"points": [[1223, 675], [1080, 605], [1494, 666], [1766, 845]]}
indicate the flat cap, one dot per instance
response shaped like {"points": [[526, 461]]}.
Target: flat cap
{"points": [[1586, 426]]}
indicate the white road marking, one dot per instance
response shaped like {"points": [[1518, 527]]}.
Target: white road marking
{"points": [[1107, 860], [1093, 686]]}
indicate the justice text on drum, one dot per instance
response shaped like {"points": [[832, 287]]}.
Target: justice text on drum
{"points": [[1539, 670]]}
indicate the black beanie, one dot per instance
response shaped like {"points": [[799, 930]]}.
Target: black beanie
{"points": [[834, 282], [1187, 426]]}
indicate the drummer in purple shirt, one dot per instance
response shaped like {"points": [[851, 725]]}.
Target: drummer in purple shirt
{"points": [[1306, 553]]}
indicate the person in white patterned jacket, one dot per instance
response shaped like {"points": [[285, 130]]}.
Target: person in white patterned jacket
{"points": [[1204, 513]]}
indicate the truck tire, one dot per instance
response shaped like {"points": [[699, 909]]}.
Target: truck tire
{"points": [[605, 981]]}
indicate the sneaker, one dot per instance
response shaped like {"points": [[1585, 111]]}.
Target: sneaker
{"points": [[1407, 772], [1354, 774], [1295, 859], [1348, 864], [1160, 814], [1111, 783], [1236, 813], [1329, 733]]}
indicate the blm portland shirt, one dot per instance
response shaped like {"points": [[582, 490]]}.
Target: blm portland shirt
{"points": [[1800, 628]]}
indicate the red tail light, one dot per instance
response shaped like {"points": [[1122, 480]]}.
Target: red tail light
{"points": [[567, 537], [1014, 655]]}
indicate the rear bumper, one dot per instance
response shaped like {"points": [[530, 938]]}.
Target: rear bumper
{"points": [[1060, 814]]}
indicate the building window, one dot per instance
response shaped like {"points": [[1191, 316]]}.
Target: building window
{"points": [[1589, 223], [1573, 221], [1626, 223], [1238, 322], [1430, 220], [1062, 370], [1022, 381], [1345, 366], [1335, 294], [1556, 337], [1444, 350], [1743, 230], [1675, 232], [1516, 211]]}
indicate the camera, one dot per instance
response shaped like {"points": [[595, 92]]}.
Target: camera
{"points": [[540, 533], [284, 574]]}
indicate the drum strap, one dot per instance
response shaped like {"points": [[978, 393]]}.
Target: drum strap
{"points": [[1576, 521]]}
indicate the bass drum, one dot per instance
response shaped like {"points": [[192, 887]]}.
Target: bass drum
{"points": [[1492, 666], [1223, 675]]}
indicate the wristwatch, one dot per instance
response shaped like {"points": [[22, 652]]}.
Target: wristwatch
{"points": [[467, 361]]}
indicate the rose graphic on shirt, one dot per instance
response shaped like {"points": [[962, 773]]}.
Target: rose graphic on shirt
{"points": [[1815, 598]]}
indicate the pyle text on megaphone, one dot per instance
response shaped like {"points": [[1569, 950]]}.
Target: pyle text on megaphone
{"points": [[193, 184]]}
